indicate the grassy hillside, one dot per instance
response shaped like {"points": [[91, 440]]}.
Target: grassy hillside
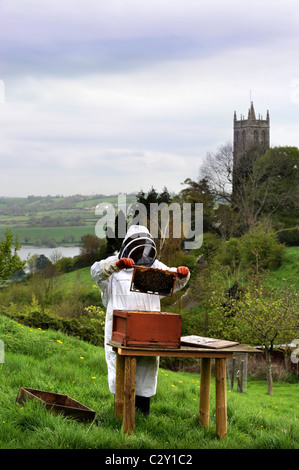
{"points": [[52, 361], [287, 275]]}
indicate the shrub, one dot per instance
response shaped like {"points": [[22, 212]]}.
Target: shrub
{"points": [[261, 249], [289, 236], [89, 326], [65, 265], [230, 253]]}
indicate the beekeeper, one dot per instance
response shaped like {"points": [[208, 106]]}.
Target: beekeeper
{"points": [[113, 276]]}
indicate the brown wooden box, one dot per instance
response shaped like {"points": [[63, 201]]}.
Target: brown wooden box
{"points": [[56, 403], [146, 329]]}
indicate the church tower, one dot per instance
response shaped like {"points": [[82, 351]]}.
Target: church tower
{"points": [[249, 133]]}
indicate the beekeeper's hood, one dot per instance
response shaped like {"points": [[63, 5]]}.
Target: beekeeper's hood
{"points": [[139, 245]]}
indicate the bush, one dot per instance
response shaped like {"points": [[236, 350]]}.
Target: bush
{"points": [[289, 236], [65, 265], [261, 249], [230, 253], [89, 326]]}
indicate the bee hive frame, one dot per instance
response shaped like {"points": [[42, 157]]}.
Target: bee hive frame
{"points": [[153, 281]]}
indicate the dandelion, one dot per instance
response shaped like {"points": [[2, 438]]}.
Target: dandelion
{"points": [[93, 378], [81, 357], [180, 381], [60, 342], [173, 385]]}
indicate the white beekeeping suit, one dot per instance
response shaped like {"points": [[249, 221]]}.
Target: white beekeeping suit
{"points": [[114, 282]]}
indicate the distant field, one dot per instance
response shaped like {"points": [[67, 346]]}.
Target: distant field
{"points": [[60, 234], [35, 220]]}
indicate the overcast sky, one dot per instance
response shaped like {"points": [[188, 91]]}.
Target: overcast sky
{"points": [[109, 96]]}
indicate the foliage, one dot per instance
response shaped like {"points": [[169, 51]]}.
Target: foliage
{"points": [[258, 316], [92, 249], [260, 248], [277, 176], [289, 236], [9, 259], [200, 192], [88, 327]]}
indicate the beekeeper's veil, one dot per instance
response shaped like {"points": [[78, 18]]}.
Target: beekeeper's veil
{"points": [[139, 245]]}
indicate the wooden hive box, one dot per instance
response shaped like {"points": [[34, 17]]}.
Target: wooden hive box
{"points": [[146, 329], [56, 403]]}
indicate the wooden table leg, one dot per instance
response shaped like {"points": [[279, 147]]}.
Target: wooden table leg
{"points": [[221, 413], [205, 385], [119, 386], [129, 395]]}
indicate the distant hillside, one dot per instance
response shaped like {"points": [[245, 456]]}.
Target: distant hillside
{"points": [[53, 220]]}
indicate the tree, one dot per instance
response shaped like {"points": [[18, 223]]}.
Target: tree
{"points": [[114, 240], [200, 192], [255, 315], [267, 185], [10, 262], [158, 216], [267, 319], [217, 169], [263, 183], [277, 175], [90, 246]]}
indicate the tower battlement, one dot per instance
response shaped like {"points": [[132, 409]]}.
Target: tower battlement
{"points": [[250, 132]]}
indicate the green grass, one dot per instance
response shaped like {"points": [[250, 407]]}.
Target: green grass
{"points": [[287, 275], [52, 361], [57, 233], [81, 276]]}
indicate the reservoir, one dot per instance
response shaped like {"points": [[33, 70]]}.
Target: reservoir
{"points": [[58, 252]]}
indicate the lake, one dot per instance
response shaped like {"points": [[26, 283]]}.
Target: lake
{"points": [[62, 251]]}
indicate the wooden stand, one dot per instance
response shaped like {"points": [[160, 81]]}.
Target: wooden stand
{"points": [[126, 378]]}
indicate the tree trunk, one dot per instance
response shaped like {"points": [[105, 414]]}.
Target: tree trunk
{"points": [[269, 372]]}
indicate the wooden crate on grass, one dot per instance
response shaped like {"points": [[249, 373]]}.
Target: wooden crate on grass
{"points": [[56, 403]]}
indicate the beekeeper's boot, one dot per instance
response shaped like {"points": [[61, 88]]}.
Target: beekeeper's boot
{"points": [[142, 404]]}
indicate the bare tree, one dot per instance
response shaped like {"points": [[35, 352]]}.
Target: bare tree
{"points": [[218, 170]]}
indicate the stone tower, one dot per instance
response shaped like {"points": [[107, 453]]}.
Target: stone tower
{"points": [[249, 133]]}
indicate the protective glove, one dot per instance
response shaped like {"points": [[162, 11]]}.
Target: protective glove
{"points": [[182, 271], [125, 263]]}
